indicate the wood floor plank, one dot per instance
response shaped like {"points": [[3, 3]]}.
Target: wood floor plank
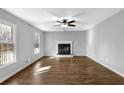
{"points": [[65, 71]]}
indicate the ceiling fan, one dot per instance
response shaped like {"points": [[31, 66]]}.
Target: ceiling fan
{"points": [[65, 23]]}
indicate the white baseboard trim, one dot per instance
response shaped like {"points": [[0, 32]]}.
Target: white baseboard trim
{"points": [[13, 74], [18, 70], [120, 74]]}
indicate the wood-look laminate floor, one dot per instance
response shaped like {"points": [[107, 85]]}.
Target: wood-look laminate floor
{"points": [[67, 71]]}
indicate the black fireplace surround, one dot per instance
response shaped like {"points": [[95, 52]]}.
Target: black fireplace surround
{"points": [[64, 49]]}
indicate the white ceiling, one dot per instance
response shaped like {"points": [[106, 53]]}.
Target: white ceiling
{"points": [[45, 18]]}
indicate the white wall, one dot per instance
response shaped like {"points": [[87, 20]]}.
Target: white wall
{"points": [[105, 43], [78, 39], [25, 38]]}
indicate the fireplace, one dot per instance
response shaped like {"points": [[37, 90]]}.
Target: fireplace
{"points": [[64, 48]]}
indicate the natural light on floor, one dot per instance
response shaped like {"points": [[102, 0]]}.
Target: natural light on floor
{"points": [[42, 70], [52, 57]]}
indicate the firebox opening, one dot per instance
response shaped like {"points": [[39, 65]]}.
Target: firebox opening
{"points": [[64, 49]]}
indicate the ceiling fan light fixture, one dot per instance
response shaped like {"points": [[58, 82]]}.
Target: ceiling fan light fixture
{"points": [[64, 25]]}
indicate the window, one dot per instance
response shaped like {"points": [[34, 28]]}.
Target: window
{"points": [[36, 43], [7, 50]]}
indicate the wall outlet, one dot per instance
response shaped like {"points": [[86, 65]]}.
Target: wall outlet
{"points": [[28, 61]]}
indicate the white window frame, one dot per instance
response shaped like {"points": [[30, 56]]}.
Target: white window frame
{"points": [[14, 28], [37, 50]]}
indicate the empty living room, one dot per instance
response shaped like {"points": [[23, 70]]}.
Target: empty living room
{"points": [[61, 46]]}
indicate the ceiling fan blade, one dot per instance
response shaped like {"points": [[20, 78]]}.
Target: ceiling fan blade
{"points": [[71, 21], [71, 25], [59, 21]]}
